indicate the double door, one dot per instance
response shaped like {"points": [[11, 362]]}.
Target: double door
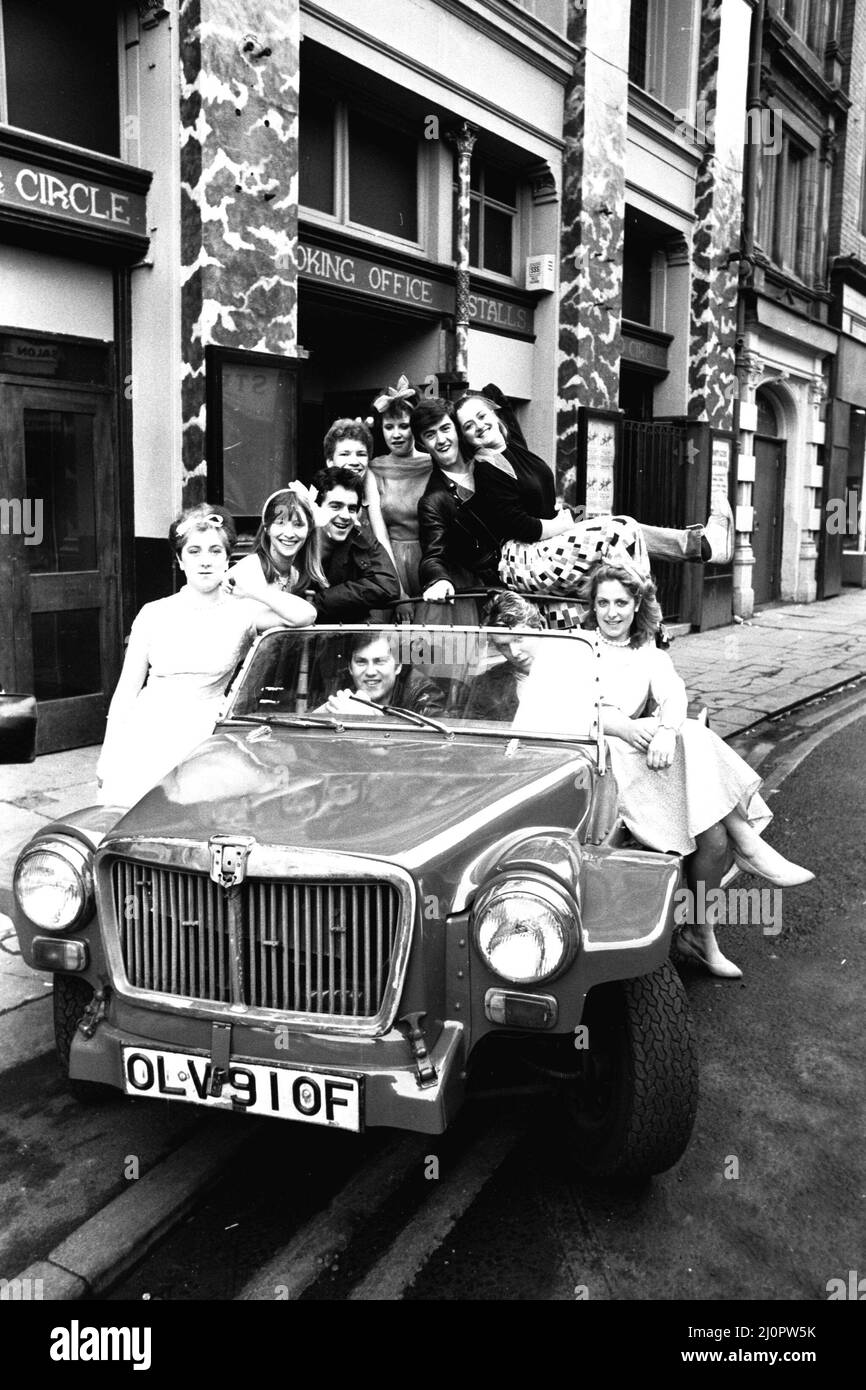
{"points": [[60, 634]]}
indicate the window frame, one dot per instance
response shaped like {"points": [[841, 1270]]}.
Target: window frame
{"points": [[660, 63], [481, 199], [787, 234], [343, 103], [120, 46]]}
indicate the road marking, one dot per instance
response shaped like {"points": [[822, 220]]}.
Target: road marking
{"points": [[300, 1263], [396, 1271], [791, 761]]}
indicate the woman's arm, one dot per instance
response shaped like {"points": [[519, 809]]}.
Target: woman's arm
{"points": [[133, 675], [271, 605], [373, 503]]}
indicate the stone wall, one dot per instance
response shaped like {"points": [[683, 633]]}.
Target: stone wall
{"points": [[593, 208], [712, 375], [239, 187]]}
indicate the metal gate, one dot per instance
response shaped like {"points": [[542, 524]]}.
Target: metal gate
{"points": [[649, 484]]}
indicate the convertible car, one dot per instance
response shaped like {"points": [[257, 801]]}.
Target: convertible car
{"points": [[398, 851]]}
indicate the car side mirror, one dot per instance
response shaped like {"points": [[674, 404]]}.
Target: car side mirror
{"points": [[17, 728]]}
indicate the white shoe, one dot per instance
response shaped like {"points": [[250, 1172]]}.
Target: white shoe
{"points": [[710, 957], [719, 531], [768, 863]]}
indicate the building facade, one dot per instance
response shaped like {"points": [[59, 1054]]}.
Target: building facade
{"points": [[223, 224]]}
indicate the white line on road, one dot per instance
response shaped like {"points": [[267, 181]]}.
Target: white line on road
{"points": [[300, 1263], [394, 1273]]}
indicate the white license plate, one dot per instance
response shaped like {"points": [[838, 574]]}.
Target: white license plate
{"points": [[313, 1097]]}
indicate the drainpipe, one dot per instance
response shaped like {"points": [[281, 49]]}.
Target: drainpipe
{"points": [[750, 194], [464, 140]]}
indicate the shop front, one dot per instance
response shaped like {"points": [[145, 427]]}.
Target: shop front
{"points": [[71, 225]]}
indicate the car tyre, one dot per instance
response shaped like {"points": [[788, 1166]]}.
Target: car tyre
{"points": [[633, 1099], [71, 998]]}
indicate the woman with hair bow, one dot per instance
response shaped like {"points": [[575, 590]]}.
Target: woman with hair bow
{"points": [[401, 476], [182, 652], [286, 555]]}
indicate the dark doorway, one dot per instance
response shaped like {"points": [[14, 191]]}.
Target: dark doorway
{"points": [[768, 496], [60, 634]]}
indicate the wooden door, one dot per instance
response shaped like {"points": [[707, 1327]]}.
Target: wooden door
{"points": [[769, 492], [61, 631]]}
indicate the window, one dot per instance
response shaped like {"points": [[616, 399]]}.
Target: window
{"points": [[357, 167], [787, 206], [61, 68], [809, 20], [662, 56], [492, 217]]}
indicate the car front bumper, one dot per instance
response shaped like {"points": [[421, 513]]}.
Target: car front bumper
{"points": [[391, 1091]]}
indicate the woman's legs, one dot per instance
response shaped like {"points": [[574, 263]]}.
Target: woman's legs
{"points": [[707, 866], [755, 856]]}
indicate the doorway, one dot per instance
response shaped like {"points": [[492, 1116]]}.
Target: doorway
{"points": [[767, 500], [59, 562]]}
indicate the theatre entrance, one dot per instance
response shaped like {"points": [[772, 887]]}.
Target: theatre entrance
{"points": [[356, 349]]}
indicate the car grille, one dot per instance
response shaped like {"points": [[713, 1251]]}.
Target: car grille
{"points": [[306, 947]]}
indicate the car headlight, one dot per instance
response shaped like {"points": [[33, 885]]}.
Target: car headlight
{"points": [[53, 884], [525, 930]]}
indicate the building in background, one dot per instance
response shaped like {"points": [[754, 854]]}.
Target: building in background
{"points": [[223, 224]]}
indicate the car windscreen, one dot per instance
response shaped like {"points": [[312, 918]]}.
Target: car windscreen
{"points": [[516, 679]]}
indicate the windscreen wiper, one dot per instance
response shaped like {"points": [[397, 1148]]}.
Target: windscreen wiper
{"points": [[422, 720]]}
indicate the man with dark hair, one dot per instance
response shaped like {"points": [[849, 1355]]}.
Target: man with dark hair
{"points": [[357, 567]]}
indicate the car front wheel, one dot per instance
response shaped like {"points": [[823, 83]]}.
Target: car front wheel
{"points": [[633, 1095]]}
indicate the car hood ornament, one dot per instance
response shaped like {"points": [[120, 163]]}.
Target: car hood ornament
{"points": [[228, 858]]}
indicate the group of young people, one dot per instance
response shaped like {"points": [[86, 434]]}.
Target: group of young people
{"points": [[456, 502]]}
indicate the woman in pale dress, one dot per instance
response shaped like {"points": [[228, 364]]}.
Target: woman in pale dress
{"points": [[681, 788], [401, 475], [181, 654]]}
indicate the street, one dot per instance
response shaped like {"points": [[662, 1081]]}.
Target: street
{"points": [[764, 1205]]}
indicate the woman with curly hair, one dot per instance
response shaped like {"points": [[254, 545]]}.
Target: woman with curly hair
{"points": [[681, 788]]}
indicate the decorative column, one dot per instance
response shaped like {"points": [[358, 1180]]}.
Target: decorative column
{"points": [[718, 201], [464, 142], [239, 169], [593, 210]]}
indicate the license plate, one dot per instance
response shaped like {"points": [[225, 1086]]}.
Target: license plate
{"points": [[313, 1097]]}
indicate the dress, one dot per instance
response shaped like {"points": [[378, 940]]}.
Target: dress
{"points": [[666, 808], [401, 483], [193, 650]]}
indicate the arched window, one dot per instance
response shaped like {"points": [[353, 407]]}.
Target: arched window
{"points": [[768, 418]]}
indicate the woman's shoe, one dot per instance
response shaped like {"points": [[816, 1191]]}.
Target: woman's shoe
{"points": [[768, 863], [710, 959]]}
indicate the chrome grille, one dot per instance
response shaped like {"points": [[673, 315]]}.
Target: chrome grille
{"points": [[306, 947]]}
